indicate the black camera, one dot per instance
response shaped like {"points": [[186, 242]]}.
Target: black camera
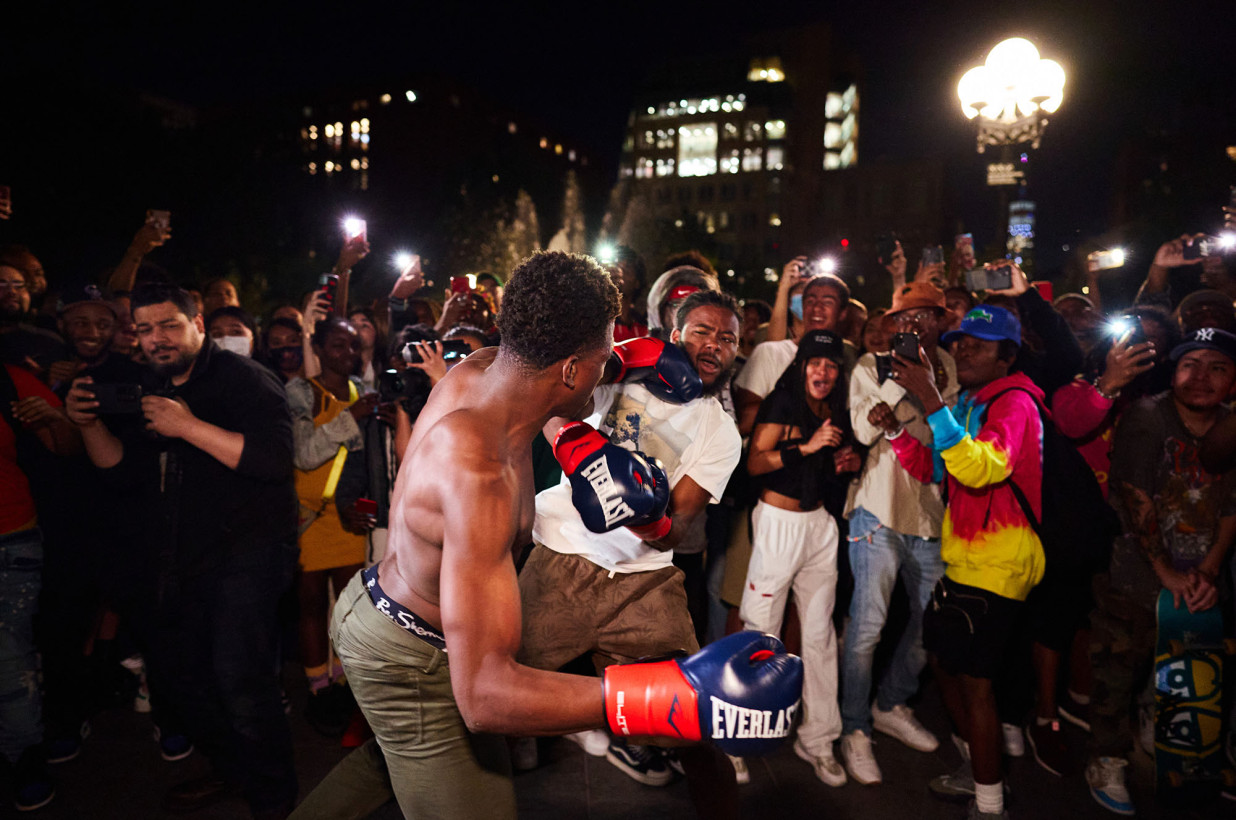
{"points": [[452, 351]]}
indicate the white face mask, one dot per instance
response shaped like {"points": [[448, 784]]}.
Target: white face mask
{"points": [[240, 345]]}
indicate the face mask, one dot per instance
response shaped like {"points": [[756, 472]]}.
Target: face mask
{"points": [[288, 359], [240, 345], [796, 305]]}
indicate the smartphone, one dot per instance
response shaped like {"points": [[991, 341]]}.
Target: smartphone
{"points": [[905, 345], [354, 226], [1000, 278], [884, 367], [933, 255], [116, 399], [366, 506], [452, 350], [1128, 330], [163, 219], [329, 282], [1045, 290], [460, 284], [1105, 260]]}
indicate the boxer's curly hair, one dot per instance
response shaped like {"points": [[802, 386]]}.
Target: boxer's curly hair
{"points": [[556, 305]]}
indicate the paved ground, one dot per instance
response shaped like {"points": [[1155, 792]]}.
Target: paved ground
{"points": [[120, 775]]}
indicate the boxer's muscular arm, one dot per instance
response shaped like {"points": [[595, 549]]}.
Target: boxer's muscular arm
{"points": [[481, 616]]}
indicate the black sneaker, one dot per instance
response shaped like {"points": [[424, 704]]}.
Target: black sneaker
{"points": [[64, 749], [644, 764], [33, 787], [329, 710], [173, 745]]}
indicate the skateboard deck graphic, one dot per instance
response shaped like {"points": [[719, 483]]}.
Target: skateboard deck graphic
{"points": [[1188, 677]]}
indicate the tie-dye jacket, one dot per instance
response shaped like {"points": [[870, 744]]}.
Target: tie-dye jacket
{"points": [[986, 540]]}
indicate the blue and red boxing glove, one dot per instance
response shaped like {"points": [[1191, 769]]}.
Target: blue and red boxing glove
{"points": [[612, 487], [662, 368], [740, 693]]}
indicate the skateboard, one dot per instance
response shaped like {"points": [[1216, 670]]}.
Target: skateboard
{"points": [[1188, 691]]}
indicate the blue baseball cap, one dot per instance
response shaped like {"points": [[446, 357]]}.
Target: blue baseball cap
{"points": [[987, 322]]}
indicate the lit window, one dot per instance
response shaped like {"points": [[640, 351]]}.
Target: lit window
{"points": [[338, 128], [752, 160], [649, 138], [665, 138], [766, 70], [774, 220], [330, 166], [365, 125], [571, 155], [330, 130], [364, 181], [738, 105], [626, 171], [751, 131], [313, 132], [557, 149], [723, 222], [313, 167], [544, 142], [511, 128], [355, 164], [834, 106], [494, 178], [775, 129], [697, 149], [364, 163], [364, 139], [774, 158], [384, 99], [410, 95], [731, 131], [730, 162], [832, 161], [832, 135], [644, 168], [652, 110], [849, 155]]}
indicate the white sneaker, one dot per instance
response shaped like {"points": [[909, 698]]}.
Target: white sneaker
{"points": [[1106, 779], [899, 722], [593, 741], [859, 761], [742, 775], [826, 766], [1014, 740]]}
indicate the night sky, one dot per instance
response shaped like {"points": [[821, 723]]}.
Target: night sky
{"points": [[1133, 68]]}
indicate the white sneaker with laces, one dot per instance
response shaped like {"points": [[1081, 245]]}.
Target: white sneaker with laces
{"points": [[860, 763], [826, 766], [899, 722], [1014, 740], [1106, 779], [742, 775]]}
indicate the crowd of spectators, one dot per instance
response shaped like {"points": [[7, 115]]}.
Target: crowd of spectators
{"points": [[185, 482]]}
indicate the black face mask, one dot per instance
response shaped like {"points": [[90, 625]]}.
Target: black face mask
{"points": [[288, 359]]}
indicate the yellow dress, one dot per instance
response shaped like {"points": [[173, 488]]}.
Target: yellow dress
{"points": [[325, 544]]}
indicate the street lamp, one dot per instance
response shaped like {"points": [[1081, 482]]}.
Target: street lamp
{"points": [[1010, 96]]}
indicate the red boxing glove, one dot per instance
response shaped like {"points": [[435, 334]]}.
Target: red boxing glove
{"points": [[662, 368]]}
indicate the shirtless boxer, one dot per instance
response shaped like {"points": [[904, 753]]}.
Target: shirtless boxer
{"points": [[447, 586]]}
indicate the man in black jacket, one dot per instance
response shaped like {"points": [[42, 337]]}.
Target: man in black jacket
{"points": [[211, 477]]}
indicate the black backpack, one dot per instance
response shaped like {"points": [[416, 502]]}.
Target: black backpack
{"points": [[1078, 525]]}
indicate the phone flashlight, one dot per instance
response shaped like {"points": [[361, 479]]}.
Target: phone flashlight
{"points": [[827, 265], [1227, 241], [353, 226], [402, 261], [1120, 325], [607, 254]]}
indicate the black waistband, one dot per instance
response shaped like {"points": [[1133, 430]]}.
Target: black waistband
{"points": [[399, 614]]}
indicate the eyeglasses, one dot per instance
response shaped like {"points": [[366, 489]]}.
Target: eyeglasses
{"points": [[12, 286]]}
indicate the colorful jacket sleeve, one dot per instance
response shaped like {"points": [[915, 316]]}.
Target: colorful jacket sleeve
{"points": [[917, 458], [988, 459], [1078, 409]]}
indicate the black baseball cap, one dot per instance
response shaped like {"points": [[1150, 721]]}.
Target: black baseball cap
{"points": [[1207, 338]]}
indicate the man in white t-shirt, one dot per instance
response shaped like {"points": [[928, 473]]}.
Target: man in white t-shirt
{"points": [[824, 302], [612, 595]]}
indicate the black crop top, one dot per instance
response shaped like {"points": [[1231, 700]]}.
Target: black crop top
{"points": [[814, 479]]}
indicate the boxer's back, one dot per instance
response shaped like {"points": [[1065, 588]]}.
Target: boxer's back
{"points": [[455, 431]]}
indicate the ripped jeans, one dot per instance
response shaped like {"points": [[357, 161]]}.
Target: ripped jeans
{"points": [[21, 577]]}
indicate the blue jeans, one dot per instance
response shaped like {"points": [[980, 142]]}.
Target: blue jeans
{"points": [[877, 555], [21, 706]]}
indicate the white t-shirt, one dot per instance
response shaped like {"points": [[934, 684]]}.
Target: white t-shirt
{"points": [[766, 364], [695, 439]]}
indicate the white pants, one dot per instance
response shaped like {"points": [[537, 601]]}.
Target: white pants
{"points": [[798, 550]]}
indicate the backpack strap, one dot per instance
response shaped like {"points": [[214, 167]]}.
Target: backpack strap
{"points": [[1022, 501]]}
